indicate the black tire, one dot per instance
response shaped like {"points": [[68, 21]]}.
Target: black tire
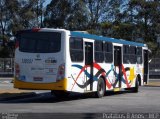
{"points": [[135, 89], [60, 94], [101, 88]]}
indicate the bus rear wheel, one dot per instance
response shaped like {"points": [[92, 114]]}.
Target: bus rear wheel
{"points": [[135, 89], [100, 88]]}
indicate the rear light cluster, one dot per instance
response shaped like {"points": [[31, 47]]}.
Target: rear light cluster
{"points": [[61, 72], [16, 45], [17, 70], [36, 29]]}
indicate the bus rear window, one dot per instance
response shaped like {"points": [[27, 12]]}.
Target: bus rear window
{"points": [[40, 42]]}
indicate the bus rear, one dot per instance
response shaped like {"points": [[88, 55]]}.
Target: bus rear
{"points": [[40, 60]]}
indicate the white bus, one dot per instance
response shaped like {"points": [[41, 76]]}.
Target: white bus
{"points": [[67, 61]]}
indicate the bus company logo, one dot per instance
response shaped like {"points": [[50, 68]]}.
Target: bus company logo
{"points": [[38, 57], [50, 61]]}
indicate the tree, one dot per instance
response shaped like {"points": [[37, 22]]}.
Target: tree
{"points": [[77, 19], [146, 18], [56, 13], [39, 12], [123, 19], [4, 51], [95, 11], [28, 15], [113, 24], [75, 15], [5, 16], [136, 20], [17, 15]]}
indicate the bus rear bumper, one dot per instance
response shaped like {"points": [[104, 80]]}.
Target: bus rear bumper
{"points": [[60, 85]]}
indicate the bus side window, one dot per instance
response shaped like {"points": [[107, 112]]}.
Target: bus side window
{"points": [[76, 49], [126, 54], [108, 52], [139, 55], [99, 55], [132, 56]]}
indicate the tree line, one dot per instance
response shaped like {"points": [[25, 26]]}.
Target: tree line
{"points": [[134, 20]]}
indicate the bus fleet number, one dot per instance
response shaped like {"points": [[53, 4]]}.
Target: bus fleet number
{"points": [[27, 60]]}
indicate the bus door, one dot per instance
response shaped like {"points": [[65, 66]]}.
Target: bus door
{"points": [[117, 66], [89, 63], [145, 64]]}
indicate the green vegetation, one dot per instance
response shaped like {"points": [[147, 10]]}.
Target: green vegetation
{"points": [[135, 20]]}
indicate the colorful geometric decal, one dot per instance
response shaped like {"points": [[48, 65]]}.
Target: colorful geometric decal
{"points": [[132, 75], [102, 72]]}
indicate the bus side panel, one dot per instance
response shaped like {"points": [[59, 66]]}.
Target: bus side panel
{"points": [[130, 73], [109, 75], [106, 71], [76, 82], [74, 73]]}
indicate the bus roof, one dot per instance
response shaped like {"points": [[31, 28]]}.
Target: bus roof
{"points": [[95, 37], [90, 36]]}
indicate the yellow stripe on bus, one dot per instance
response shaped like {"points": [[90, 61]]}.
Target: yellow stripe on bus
{"points": [[116, 89], [60, 85]]}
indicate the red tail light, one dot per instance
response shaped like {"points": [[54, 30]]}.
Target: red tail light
{"points": [[61, 72], [17, 70], [17, 45], [35, 29]]}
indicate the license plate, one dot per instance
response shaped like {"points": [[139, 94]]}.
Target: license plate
{"points": [[38, 78]]}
